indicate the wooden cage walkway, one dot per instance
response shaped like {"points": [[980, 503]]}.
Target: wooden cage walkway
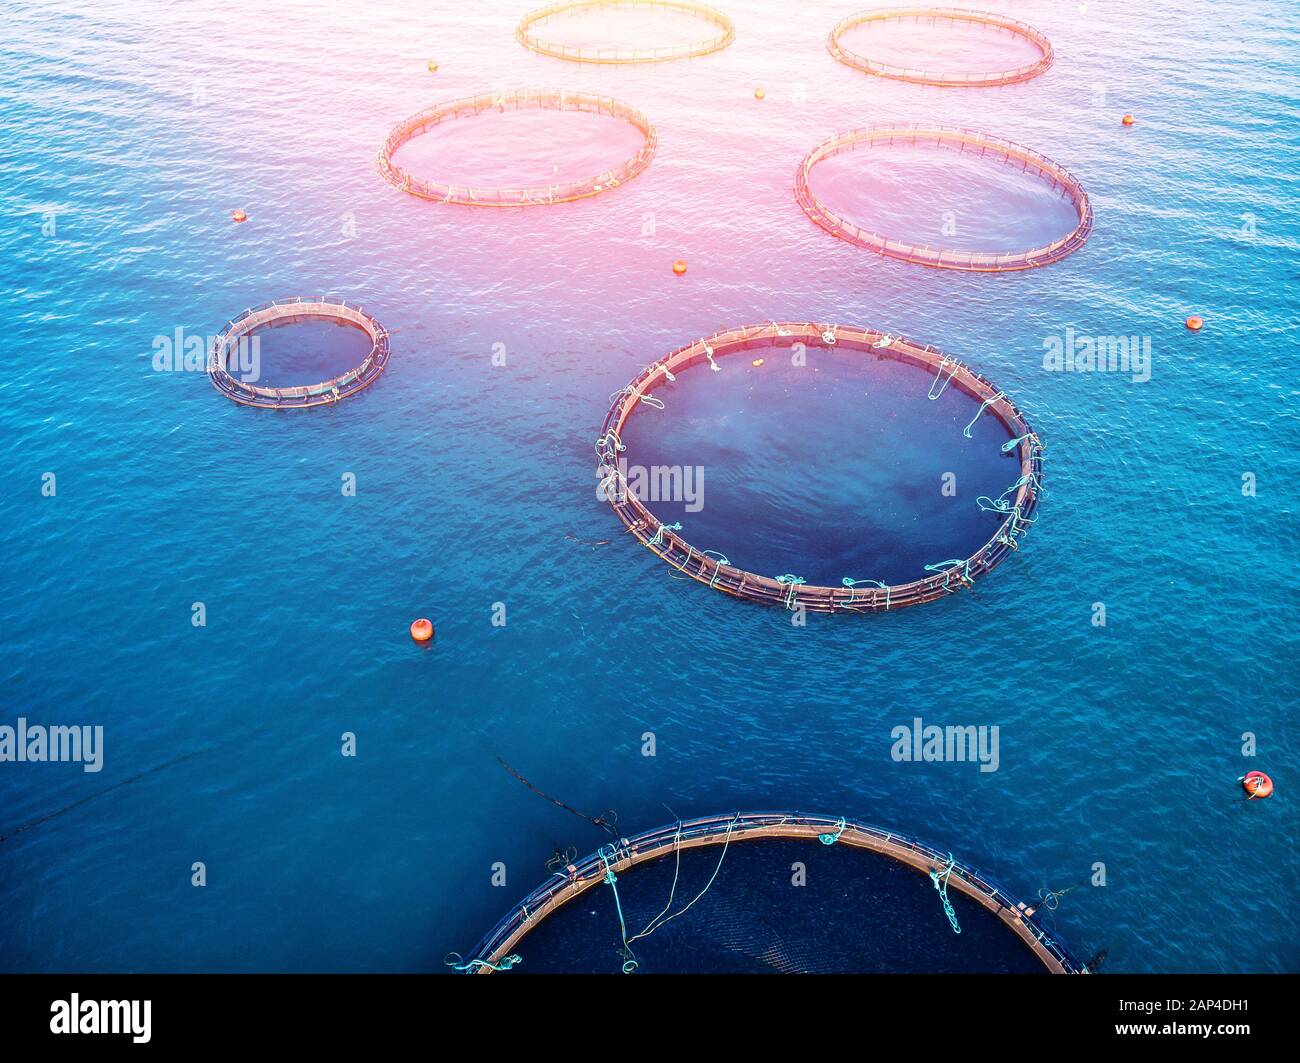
{"points": [[286, 311], [962, 140], [582, 875], [720, 575], [526, 35], [519, 100], [934, 15]]}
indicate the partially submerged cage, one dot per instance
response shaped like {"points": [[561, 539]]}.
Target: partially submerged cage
{"points": [[1015, 507], [769, 891], [517, 196], [835, 44], [532, 29], [278, 313], [984, 145]]}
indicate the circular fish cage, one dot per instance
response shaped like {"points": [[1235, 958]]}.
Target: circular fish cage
{"points": [[526, 33], [1016, 505], [961, 140], [536, 195], [286, 312], [742, 916], [935, 16]]}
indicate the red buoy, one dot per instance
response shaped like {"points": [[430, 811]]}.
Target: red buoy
{"points": [[238, 216], [679, 267], [1257, 785], [422, 630], [1196, 322], [1127, 119]]}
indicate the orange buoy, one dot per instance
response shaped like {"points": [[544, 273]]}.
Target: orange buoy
{"points": [[433, 66], [1195, 323], [1257, 785], [237, 216], [422, 630], [1127, 119], [759, 93], [756, 362], [679, 267]]}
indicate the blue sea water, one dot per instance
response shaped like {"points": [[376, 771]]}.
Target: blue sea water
{"points": [[130, 133]]}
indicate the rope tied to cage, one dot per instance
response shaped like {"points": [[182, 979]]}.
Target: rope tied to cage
{"points": [[978, 413], [932, 395], [941, 884], [458, 962], [831, 837], [658, 539], [793, 583], [852, 584], [955, 566]]}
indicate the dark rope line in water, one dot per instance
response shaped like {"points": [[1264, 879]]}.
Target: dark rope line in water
{"points": [[607, 822], [98, 793]]}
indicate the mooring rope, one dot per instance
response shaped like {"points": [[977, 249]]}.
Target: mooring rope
{"points": [[458, 962], [941, 884], [658, 539], [793, 582], [950, 567], [932, 395], [831, 838], [606, 822], [983, 406], [852, 583], [1052, 898], [630, 963]]}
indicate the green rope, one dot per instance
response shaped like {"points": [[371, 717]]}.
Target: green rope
{"points": [[941, 884], [792, 582], [983, 406], [630, 963], [932, 394], [1011, 444], [717, 571], [458, 962], [831, 838], [948, 568], [658, 540], [851, 583]]}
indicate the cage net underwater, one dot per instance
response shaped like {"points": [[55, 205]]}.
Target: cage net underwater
{"points": [[285, 337], [822, 467], [884, 202], [936, 46], [487, 150], [769, 892], [613, 31]]}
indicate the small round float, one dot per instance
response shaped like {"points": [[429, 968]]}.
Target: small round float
{"points": [[527, 32], [1016, 505], [947, 138], [536, 195], [286, 312], [873, 899], [1257, 785], [422, 629], [935, 16]]}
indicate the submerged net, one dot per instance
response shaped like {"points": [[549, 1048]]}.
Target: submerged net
{"points": [[534, 28], [838, 48], [517, 196], [228, 346], [961, 140], [769, 892], [1001, 516]]}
